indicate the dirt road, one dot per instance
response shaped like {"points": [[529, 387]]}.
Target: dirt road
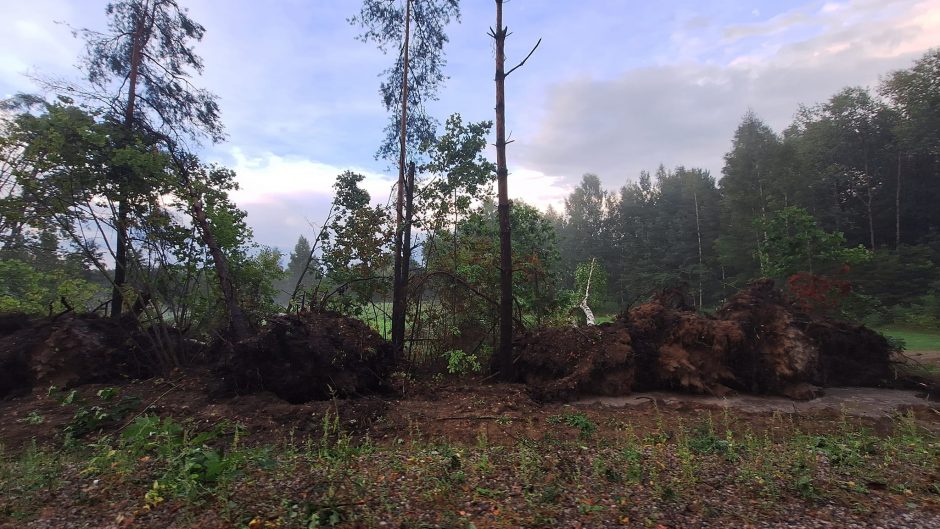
{"points": [[860, 402]]}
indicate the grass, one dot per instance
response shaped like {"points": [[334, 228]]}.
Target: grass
{"points": [[915, 339], [163, 468]]}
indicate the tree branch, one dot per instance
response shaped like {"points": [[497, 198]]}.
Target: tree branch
{"points": [[516, 67]]}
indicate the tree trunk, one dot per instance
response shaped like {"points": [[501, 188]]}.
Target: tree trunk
{"points": [[237, 319], [897, 208], [502, 358], [698, 233], [399, 296], [406, 243], [120, 251], [588, 313]]}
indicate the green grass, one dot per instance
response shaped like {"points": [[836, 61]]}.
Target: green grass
{"points": [[915, 339]]}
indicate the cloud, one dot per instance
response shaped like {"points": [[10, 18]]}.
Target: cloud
{"points": [[286, 196], [267, 178], [685, 112], [537, 189]]}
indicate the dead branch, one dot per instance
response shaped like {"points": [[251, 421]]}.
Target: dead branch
{"points": [[514, 68]]}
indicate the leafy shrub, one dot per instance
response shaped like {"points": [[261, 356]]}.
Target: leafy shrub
{"points": [[462, 363]]}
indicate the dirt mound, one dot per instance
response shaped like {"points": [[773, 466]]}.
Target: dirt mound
{"points": [[65, 351], [757, 342], [777, 355], [308, 356], [561, 363]]}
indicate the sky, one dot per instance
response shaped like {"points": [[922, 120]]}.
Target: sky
{"points": [[616, 86]]}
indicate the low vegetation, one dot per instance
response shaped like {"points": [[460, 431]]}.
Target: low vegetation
{"points": [[661, 467]]}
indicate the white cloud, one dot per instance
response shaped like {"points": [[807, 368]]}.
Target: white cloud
{"points": [[685, 112], [538, 189], [268, 177]]}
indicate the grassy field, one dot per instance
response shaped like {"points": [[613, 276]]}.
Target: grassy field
{"points": [[915, 339]]}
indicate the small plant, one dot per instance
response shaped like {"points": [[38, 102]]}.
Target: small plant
{"points": [[580, 421], [93, 418], [585, 426], [462, 363], [33, 418], [588, 507]]}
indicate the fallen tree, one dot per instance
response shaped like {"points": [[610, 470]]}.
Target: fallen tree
{"points": [[69, 350], [307, 356], [758, 342]]}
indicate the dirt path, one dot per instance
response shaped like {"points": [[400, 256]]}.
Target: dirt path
{"points": [[924, 357], [860, 402]]}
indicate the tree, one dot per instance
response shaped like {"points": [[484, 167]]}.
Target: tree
{"points": [[147, 52], [355, 246], [794, 243], [502, 359], [411, 81], [746, 188], [914, 97], [586, 234]]}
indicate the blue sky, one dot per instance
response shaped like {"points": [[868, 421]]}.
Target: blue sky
{"points": [[617, 86]]}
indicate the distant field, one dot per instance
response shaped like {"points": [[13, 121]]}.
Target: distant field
{"points": [[915, 339]]}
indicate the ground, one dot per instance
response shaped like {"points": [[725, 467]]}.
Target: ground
{"points": [[461, 453]]}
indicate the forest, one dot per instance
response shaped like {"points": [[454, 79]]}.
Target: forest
{"points": [[148, 340]]}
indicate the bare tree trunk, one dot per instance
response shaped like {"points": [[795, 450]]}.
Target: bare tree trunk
{"points": [[897, 208], [588, 314], [502, 359], [406, 244], [399, 296], [698, 232]]}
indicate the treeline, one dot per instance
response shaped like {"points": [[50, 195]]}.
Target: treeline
{"points": [[864, 164]]}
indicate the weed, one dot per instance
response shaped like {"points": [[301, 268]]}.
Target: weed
{"points": [[588, 507], [579, 421], [33, 418], [104, 413]]}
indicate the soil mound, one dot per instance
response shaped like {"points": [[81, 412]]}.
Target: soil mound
{"points": [[308, 356], [65, 351], [561, 363], [758, 342]]}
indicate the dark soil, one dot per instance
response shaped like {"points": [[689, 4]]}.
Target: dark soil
{"points": [[307, 356], [66, 351], [758, 342]]}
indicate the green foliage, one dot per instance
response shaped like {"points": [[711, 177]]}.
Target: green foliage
{"points": [[191, 462], [355, 248], [105, 412], [793, 242], [29, 289], [461, 363], [579, 421]]}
